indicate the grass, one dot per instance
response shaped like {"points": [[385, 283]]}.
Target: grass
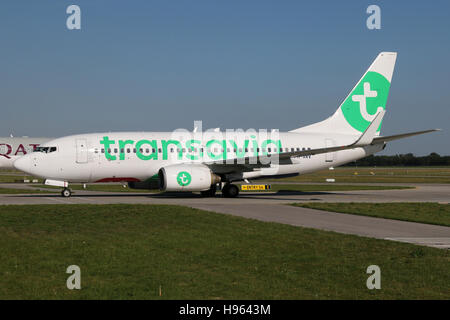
{"points": [[21, 191], [16, 178], [129, 251], [378, 175], [424, 212], [327, 187]]}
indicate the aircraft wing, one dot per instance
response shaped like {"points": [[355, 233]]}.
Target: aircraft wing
{"points": [[366, 138]]}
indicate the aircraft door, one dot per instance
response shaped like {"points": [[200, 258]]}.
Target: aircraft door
{"points": [[82, 151]]}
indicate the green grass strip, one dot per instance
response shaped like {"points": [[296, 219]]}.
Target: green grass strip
{"points": [[424, 212], [130, 251]]}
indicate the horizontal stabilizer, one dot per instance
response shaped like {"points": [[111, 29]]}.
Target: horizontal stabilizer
{"points": [[401, 136]]}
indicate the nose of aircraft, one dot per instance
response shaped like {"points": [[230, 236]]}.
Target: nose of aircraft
{"points": [[23, 164]]}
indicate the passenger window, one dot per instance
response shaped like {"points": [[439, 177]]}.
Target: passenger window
{"points": [[103, 150]]}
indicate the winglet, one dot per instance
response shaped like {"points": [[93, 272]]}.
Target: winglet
{"points": [[367, 137]]}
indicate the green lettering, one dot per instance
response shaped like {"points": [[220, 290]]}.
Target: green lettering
{"points": [[106, 142], [165, 143], [152, 156], [189, 144], [122, 145], [212, 155], [239, 153], [264, 144]]}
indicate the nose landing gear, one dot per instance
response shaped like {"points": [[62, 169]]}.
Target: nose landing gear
{"points": [[66, 192]]}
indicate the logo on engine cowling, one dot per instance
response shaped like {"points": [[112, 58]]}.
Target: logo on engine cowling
{"points": [[184, 178]]}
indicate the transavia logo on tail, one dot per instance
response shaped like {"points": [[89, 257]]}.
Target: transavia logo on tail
{"points": [[184, 178], [366, 100]]}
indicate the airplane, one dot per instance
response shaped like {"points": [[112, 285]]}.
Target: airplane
{"points": [[12, 148], [203, 161]]}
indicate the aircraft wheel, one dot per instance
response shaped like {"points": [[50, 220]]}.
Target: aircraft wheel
{"points": [[209, 193], [66, 193], [230, 191]]}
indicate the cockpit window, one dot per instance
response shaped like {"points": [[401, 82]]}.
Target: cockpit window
{"points": [[45, 149]]}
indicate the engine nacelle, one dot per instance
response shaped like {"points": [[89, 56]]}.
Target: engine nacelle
{"points": [[186, 177]]}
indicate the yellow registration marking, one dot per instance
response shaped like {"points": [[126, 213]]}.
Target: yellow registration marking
{"points": [[255, 187]]}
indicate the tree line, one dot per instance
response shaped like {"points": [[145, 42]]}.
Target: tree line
{"points": [[433, 159]]}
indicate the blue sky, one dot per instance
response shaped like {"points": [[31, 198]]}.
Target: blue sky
{"points": [[160, 65]]}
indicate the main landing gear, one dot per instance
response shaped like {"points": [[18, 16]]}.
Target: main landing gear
{"points": [[66, 192], [230, 190]]}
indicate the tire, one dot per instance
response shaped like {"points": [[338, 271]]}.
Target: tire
{"points": [[230, 191], [66, 193], [209, 193]]}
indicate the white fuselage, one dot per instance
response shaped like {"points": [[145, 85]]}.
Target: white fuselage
{"points": [[137, 156]]}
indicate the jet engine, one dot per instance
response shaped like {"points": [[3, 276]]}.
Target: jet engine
{"points": [[186, 177]]}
